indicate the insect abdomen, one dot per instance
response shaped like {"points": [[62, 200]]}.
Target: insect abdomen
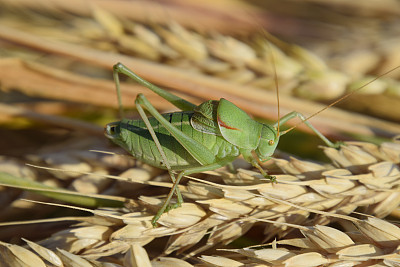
{"points": [[140, 144]]}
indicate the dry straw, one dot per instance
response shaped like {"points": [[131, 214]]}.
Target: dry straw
{"points": [[307, 196], [242, 62], [219, 207]]}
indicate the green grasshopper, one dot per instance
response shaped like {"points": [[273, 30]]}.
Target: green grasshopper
{"points": [[197, 139]]}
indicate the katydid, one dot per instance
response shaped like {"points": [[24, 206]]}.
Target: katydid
{"points": [[199, 138]]}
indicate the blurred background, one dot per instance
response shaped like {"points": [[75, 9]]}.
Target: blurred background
{"points": [[57, 93], [56, 60]]}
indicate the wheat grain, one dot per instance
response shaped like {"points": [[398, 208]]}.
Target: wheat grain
{"points": [[308, 195]]}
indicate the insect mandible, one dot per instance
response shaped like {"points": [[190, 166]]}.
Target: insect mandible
{"points": [[197, 139]]}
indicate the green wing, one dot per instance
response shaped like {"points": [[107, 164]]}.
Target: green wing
{"points": [[204, 118]]}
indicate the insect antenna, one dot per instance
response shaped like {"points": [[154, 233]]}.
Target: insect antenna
{"points": [[118, 87], [271, 54], [340, 99], [277, 90], [276, 83]]}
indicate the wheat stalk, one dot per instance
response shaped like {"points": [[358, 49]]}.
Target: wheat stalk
{"points": [[307, 197], [301, 72]]}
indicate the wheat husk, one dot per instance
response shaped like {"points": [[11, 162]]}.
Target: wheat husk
{"points": [[13, 255], [220, 261], [46, 254], [307, 197], [137, 256], [327, 191]]}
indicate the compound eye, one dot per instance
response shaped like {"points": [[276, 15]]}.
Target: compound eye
{"points": [[110, 130], [271, 142]]}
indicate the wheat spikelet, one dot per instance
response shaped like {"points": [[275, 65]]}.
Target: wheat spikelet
{"points": [[308, 196], [361, 175], [375, 242]]}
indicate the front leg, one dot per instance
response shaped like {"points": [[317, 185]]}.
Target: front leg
{"points": [[294, 114], [248, 156]]}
